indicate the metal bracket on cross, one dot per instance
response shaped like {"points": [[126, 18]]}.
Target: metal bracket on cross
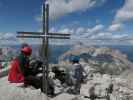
{"points": [[45, 35]]}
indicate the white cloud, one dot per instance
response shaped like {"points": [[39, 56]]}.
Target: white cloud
{"points": [[52, 29], [87, 32], [97, 32], [38, 18], [115, 27], [95, 29], [102, 35], [80, 30], [126, 12], [66, 30], [8, 38], [109, 38], [120, 36], [60, 8], [111, 35], [11, 39]]}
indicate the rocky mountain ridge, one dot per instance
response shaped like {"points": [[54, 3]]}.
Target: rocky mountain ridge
{"points": [[103, 59]]}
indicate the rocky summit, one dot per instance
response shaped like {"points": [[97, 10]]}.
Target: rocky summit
{"points": [[109, 77], [109, 73]]}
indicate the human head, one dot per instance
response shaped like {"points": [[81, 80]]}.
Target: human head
{"points": [[26, 50], [24, 45], [75, 59]]}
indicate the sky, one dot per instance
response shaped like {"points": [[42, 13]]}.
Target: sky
{"points": [[84, 19]]}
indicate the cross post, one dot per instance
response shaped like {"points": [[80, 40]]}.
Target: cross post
{"points": [[45, 35]]}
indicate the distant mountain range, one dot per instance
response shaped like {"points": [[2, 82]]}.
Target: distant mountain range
{"points": [[57, 50]]}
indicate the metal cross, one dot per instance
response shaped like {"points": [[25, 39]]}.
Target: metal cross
{"points": [[45, 35]]}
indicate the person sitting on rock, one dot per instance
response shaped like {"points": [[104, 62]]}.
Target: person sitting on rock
{"points": [[19, 65]]}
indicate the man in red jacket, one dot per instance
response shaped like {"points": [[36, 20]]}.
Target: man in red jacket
{"points": [[19, 65]]}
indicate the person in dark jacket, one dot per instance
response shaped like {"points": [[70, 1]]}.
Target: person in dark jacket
{"points": [[78, 71]]}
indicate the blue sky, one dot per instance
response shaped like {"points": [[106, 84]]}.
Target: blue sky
{"points": [[82, 18]]}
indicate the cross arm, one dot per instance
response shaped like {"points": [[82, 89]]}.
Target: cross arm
{"points": [[60, 34], [30, 33], [43, 36], [41, 33]]}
